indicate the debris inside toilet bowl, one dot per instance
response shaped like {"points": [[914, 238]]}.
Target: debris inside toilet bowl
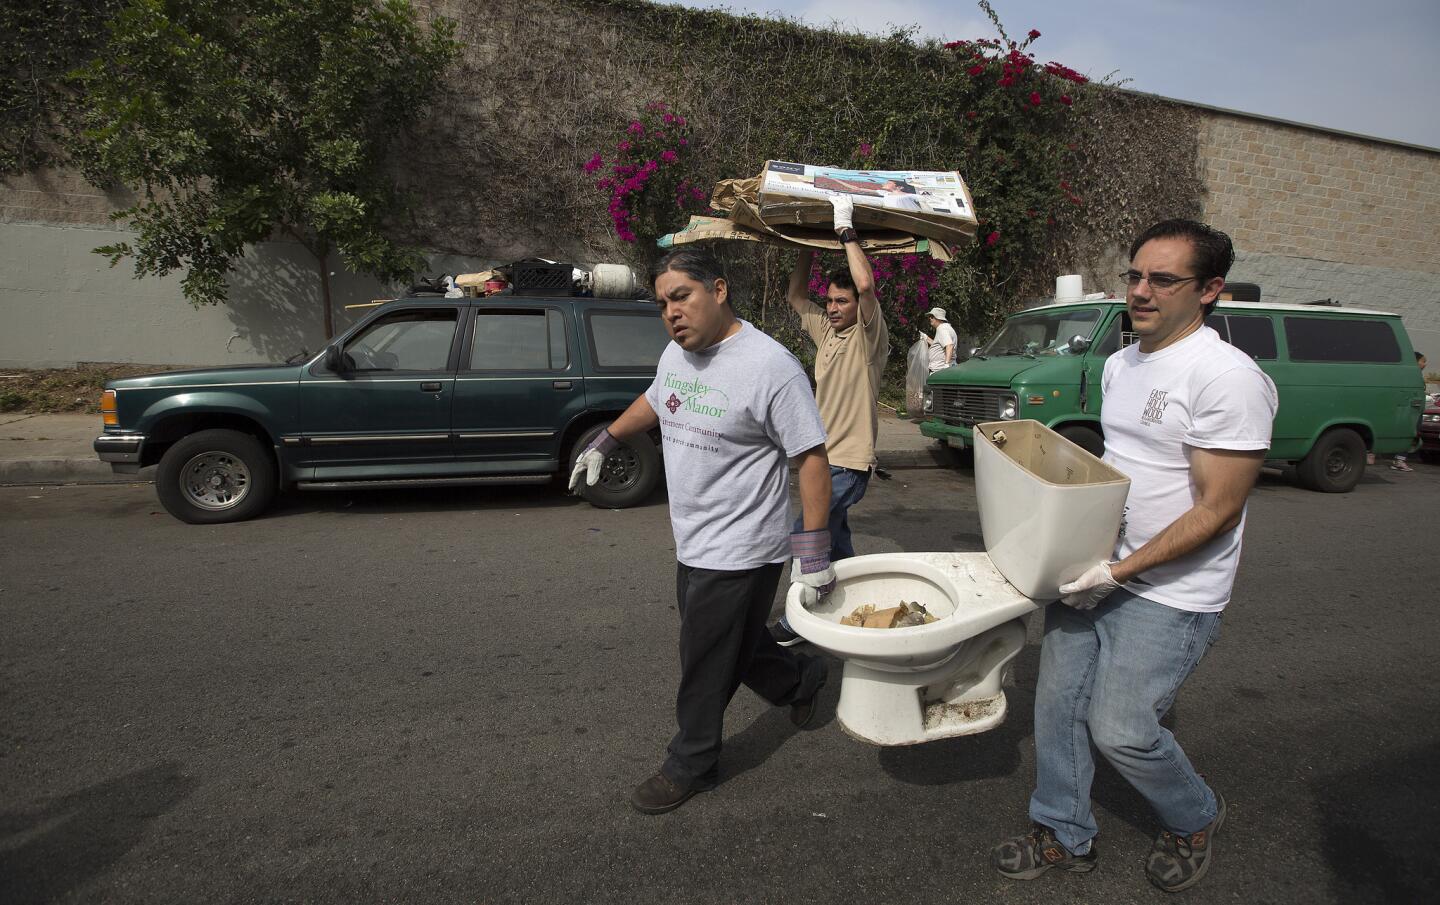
{"points": [[902, 616]]}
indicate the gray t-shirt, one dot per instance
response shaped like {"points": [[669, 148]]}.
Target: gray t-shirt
{"points": [[731, 417]]}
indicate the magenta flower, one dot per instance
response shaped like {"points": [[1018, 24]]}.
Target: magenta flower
{"points": [[594, 163], [636, 127], [623, 146], [669, 156]]}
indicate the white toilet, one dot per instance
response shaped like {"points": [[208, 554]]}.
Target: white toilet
{"points": [[1048, 511]]}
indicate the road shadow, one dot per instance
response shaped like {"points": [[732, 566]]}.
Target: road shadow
{"points": [[410, 500], [752, 746], [1376, 825], [50, 850]]}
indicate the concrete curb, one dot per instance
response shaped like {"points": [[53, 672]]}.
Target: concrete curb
{"points": [[20, 472]]}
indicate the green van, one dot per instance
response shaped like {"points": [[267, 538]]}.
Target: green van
{"points": [[1347, 379]]}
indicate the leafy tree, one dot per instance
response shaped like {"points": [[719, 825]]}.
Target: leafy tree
{"points": [[237, 119]]}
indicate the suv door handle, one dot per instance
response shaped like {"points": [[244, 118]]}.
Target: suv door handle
{"points": [[430, 386], [560, 385]]}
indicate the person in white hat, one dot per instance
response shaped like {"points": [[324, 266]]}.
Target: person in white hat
{"points": [[942, 344]]}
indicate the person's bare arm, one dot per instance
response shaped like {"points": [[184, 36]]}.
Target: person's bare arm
{"points": [[864, 279], [814, 480], [1223, 479], [798, 292], [637, 419]]}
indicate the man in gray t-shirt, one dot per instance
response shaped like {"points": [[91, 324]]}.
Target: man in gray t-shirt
{"points": [[733, 407]]}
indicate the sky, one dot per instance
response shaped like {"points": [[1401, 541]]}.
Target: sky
{"points": [[1371, 68]]}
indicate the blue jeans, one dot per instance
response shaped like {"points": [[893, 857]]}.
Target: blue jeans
{"points": [[1107, 676], [847, 487]]}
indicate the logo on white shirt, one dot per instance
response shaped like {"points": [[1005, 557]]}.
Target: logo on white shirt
{"points": [[1155, 409]]}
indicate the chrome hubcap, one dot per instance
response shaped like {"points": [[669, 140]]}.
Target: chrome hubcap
{"points": [[215, 481]]}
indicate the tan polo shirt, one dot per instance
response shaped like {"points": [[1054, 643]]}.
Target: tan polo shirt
{"points": [[848, 365]]}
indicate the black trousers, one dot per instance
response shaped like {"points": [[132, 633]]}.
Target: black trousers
{"points": [[724, 642]]}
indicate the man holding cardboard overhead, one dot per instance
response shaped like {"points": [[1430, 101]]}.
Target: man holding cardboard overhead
{"points": [[851, 344], [1187, 417]]}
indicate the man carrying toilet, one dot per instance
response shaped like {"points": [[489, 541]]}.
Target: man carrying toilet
{"points": [[732, 406], [1187, 417], [851, 345]]}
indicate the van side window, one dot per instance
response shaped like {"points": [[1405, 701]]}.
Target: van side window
{"points": [[1333, 339], [1217, 323], [1255, 336]]}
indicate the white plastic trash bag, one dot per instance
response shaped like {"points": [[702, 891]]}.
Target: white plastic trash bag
{"points": [[917, 368]]}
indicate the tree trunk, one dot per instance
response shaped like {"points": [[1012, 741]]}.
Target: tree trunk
{"points": [[321, 256]]}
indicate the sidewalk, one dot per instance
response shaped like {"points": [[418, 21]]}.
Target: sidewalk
{"points": [[55, 449]]}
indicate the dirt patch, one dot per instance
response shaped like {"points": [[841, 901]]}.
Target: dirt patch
{"points": [[54, 390]]}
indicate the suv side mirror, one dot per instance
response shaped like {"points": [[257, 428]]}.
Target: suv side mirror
{"points": [[334, 361], [1079, 344], [974, 350]]}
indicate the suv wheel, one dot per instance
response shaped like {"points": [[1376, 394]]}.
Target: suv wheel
{"points": [[1335, 463], [628, 475], [1087, 438], [216, 476]]}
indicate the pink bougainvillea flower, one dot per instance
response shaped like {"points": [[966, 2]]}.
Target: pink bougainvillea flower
{"points": [[623, 146], [636, 127], [684, 143], [679, 120], [1065, 99], [1006, 81], [866, 149], [594, 163], [977, 69], [669, 118], [1034, 34], [669, 156], [1035, 99], [992, 238]]}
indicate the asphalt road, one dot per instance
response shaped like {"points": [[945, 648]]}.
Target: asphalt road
{"points": [[448, 696]]}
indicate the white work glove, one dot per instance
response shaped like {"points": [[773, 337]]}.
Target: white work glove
{"points": [[590, 461], [811, 568], [1094, 585], [844, 210]]}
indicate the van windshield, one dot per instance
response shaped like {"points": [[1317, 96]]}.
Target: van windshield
{"points": [[1037, 333]]}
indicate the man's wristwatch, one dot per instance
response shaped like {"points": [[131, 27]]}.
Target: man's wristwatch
{"points": [[847, 235]]}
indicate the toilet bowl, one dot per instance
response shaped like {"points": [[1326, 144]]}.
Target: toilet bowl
{"points": [[1048, 511]]}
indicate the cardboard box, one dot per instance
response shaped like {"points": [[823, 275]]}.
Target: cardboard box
{"points": [[931, 204], [701, 229]]}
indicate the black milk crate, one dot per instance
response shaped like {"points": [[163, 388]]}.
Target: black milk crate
{"points": [[538, 278]]}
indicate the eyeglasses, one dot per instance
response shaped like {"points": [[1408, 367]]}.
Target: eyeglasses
{"points": [[1160, 282]]}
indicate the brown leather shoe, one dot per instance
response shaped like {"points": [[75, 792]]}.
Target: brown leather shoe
{"points": [[659, 794]]}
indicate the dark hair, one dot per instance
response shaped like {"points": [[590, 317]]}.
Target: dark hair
{"points": [[841, 277], [1214, 253], [1419, 355], [697, 264], [900, 184]]}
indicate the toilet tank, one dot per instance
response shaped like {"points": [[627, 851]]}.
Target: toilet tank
{"points": [[1049, 510]]}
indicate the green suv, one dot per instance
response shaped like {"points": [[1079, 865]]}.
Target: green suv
{"points": [[504, 389], [1347, 380]]}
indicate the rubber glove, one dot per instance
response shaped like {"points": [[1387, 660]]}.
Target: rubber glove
{"points": [[1094, 585], [844, 210], [811, 568], [589, 461]]}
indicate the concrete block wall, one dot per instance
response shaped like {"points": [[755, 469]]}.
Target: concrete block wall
{"points": [[1317, 214]]}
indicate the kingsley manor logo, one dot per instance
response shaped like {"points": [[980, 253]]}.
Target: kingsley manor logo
{"points": [[693, 395]]}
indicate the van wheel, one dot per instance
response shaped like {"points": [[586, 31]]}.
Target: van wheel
{"points": [[216, 476], [1335, 463], [628, 475], [1087, 438]]}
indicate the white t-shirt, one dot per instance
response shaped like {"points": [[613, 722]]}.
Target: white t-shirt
{"points": [[1201, 393], [944, 336], [731, 416]]}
